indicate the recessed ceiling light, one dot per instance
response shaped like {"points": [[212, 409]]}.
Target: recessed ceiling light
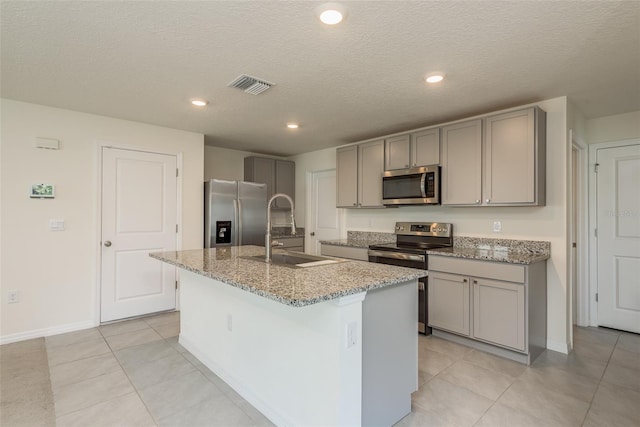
{"points": [[293, 125], [434, 78], [331, 13], [199, 102]]}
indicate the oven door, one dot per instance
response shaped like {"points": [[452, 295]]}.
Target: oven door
{"points": [[411, 261]]}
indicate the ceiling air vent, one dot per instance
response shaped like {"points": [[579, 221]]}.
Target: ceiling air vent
{"points": [[250, 84]]}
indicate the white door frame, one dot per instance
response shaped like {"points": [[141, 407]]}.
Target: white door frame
{"points": [[308, 205], [582, 232], [593, 248], [97, 244]]}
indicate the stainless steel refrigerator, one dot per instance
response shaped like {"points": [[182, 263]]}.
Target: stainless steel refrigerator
{"points": [[235, 213]]}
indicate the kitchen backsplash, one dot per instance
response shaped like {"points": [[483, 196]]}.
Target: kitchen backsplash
{"points": [[371, 236]]}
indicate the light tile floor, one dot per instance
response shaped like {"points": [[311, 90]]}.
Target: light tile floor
{"points": [[135, 373]]}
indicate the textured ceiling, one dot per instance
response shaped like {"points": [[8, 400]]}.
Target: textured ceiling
{"points": [[143, 61]]}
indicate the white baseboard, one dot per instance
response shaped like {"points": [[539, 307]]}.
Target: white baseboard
{"points": [[560, 347], [45, 332]]}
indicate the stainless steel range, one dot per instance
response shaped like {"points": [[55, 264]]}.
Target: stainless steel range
{"points": [[413, 239]]}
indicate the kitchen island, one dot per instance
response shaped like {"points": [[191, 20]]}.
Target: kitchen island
{"points": [[327, 345]]}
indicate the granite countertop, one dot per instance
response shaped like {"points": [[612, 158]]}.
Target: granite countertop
{"points": [[292, 286], [501, 250], [362, 239], [509, 256]]}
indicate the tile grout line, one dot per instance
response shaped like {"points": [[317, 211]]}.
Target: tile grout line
{"points": [[129, 379], [604, 371]]}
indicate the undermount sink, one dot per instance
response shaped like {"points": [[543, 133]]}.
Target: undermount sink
{"points": [[296, 259]]}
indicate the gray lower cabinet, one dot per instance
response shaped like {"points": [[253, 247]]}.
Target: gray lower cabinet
{"points": [[448, 300], [495, 303], [360, 254], [290, 243], [499, 312]]}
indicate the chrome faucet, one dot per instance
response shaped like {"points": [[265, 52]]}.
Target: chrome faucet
{"points": [[267, 238]]}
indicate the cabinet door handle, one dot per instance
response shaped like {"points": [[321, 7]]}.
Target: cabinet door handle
{"points": [[487, 201], [406, 166], [355, 204], [312, 234], [478, 201], [475, 282], [464, 280]]}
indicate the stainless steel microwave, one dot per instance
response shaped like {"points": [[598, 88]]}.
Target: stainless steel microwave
{"points": [[414, 186]]}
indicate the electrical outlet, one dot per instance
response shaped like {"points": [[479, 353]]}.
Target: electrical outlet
{"points": [[229, 323], [12, 297], [497, 226], [352, 334]]}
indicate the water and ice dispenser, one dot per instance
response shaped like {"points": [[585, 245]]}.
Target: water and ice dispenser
{"points": [[223, 232]]}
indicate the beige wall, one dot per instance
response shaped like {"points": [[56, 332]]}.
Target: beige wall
{"points": [[614, 128], [535, 223], [55, 272]]}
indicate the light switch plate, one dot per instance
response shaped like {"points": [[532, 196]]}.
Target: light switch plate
{"points": [[497, 226], [56, 224]]}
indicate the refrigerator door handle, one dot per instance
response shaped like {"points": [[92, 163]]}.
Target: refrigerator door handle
{"points": [[234, 239], [239, 216]]}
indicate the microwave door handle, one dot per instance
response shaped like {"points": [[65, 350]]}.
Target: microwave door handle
{"points": [[422, 185]]}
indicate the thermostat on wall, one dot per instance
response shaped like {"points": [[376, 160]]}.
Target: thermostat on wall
{"points": [[47, 143]]}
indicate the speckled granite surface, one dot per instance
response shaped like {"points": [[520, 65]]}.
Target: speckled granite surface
{"points": [[296, 287], [362, 239], [503, 250]]}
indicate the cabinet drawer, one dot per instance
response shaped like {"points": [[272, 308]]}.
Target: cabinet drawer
{"points": [[469, 267], [290, 242], [361, 254]]}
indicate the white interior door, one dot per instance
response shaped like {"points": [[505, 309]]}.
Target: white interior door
{"points": [[618, 242], [325, 220], [139, 215]]}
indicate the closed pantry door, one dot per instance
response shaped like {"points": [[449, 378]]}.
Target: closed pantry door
{"points": [[618, 241], [139, 215]]}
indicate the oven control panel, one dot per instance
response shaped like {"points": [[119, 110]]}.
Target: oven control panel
{"points": [[424, 228]]}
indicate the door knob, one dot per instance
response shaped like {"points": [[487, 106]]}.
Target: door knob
{"points": [[312, 234], [107, 243]]}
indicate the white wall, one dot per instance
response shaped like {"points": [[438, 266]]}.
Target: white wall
{"points": [[614, 128], [534, 223], [56, 272]]}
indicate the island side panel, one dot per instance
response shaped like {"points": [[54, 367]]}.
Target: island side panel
{"points": [[291, 363], [390, 353]]}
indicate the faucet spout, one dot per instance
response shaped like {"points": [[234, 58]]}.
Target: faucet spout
{"points": [[267, 236]]}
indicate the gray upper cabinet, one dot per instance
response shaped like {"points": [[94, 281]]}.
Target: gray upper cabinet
{"points": [[347, 177], [504, 166], [397, 152], [285, 182], [462, 163], [359, 171], [370, 169], [425, 147], [412, 150], [514, 158], [279, 175]]}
